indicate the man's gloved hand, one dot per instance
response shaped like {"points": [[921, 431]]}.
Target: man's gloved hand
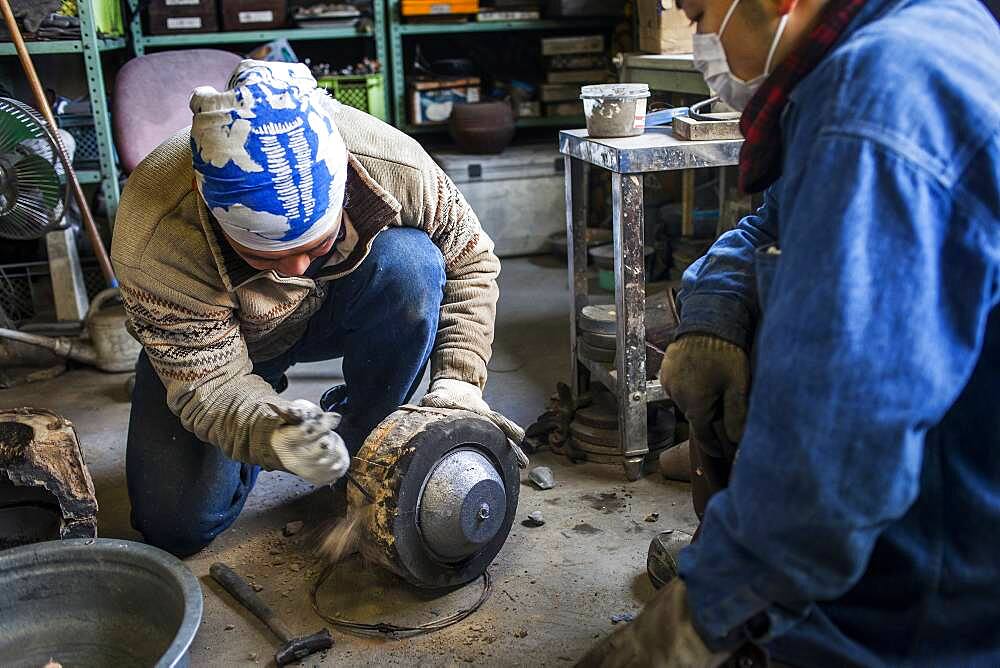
{"points": [[709, 380], [454, 394], [307, 445], [662, 636], [451, 393]]}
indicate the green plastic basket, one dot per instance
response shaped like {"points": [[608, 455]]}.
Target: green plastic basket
{"points": [[362, 92]]}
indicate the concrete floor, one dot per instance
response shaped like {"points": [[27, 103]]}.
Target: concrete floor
{"points": [[555, 588]]}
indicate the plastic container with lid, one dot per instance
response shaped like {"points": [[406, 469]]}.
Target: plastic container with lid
{"points": [[615, 110]]}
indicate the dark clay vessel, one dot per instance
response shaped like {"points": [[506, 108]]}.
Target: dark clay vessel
{"points": [[484, 127]]}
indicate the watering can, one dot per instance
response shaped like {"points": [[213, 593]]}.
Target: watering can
{"points": [[108, 345]]}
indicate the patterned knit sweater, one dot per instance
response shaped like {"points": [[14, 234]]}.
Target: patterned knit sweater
{"points": [[203, 315]]}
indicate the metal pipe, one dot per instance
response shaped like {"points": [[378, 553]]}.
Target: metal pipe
{"points": [[62, 347], [43, 106]]}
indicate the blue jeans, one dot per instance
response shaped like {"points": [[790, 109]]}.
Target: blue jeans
{"points": [[382, 319]]}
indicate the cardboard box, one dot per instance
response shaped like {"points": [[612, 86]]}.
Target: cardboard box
{"points": [[564, 109], [431, 102], [663, 27], [559, 93], [178, 17], [577, 76], [253, 14], [555, 46]]}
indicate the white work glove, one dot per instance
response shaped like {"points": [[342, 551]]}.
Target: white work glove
{"points": [[451, 393], [307, 445]]}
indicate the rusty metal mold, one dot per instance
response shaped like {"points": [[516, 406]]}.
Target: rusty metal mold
{"points": [[45, 488], [398, 462]]}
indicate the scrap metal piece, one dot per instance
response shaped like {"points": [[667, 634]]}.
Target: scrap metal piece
{"points": [[45, 489], [690, 129]]}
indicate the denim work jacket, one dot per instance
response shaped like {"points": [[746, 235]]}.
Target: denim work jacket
{"points": [[861, 525]]}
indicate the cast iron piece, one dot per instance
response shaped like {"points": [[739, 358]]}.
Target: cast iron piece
{"points": [[595, 354], [605, 341], [403, 528], [599, 319], [462, 505], [45, 488], [96, 602]]}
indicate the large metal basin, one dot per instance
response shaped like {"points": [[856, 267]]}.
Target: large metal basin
{"points": [[96, 603]]}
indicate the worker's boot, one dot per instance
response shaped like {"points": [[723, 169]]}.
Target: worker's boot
{"points": [[334, 399], [661, 560]]}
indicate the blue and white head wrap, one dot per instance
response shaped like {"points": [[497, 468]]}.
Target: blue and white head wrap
{"points": [[268, 158]]}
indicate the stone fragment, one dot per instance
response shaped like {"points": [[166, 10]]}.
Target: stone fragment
{"points": [[542, 478], [534, 519]]}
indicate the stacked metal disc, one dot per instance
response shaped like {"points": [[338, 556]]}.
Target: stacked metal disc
{"points": [[596, 341], [595, 435]]}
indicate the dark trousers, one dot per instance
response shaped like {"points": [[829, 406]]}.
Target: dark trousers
{"points": [[382, 319]]}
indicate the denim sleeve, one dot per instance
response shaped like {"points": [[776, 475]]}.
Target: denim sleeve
{"points": [[719, 294], [873, 326]]}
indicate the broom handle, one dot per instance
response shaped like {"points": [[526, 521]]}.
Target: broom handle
{"points": [[43, 106]]}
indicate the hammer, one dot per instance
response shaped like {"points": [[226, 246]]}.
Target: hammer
{"points": [[292, 649]]}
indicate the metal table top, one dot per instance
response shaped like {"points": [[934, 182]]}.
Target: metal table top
{"points": [[656, 150]]}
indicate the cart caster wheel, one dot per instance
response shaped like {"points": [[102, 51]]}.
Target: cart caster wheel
{"points": [[633, 469]]}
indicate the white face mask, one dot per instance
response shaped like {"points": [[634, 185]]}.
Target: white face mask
{"points": [[710, 60]]}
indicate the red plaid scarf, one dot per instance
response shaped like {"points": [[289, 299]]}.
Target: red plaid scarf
{"points": [[760, 157]]}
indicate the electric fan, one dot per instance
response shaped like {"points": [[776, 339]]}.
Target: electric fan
{"points": [[33, 184]]}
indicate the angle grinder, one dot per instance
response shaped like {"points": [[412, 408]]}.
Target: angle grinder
{"points": [[437, 490]]}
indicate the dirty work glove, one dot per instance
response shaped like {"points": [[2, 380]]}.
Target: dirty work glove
{"points": [[454, 394], [662, 636], [709, 380], [307, 445], [451, 393]]}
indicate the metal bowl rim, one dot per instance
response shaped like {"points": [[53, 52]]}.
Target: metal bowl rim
{"points": [[55, 551]]}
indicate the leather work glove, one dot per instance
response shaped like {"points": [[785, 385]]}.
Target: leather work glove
{"points": [[452, 394], [307, 445], [662, 636], [709, 380]]}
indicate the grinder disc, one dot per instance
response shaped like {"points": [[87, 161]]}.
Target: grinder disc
{"points": [[446, 486]]}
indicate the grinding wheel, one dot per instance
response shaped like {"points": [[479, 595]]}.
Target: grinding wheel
{"points": [[445, 487]]}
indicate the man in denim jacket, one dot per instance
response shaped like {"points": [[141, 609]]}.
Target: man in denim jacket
{"points": [[860, 522]]}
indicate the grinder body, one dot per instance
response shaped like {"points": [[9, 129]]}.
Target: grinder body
{"points": [[445, 485]]}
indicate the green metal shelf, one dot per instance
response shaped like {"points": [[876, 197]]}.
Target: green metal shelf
{"points": [[497, 26], [563, 122], [241, 37], [398, 30], [61, 46], [88, 175], [89, 46]]}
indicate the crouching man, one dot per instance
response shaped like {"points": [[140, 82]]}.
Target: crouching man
{"points": [[283, 227]]}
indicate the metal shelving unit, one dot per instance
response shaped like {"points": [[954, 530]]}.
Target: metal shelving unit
{"points": [[398, 30], [141, 42], [90, 46]]}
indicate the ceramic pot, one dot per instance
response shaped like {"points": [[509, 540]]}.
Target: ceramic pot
{"points": [[483, 127]]}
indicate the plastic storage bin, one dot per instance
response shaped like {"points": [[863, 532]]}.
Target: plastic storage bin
{"points": [[364, 92], [519, 195]]}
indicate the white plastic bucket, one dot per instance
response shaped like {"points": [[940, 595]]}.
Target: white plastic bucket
{"points": [[615, 110]]}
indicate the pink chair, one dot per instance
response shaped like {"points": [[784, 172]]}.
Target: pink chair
{"points": [[151, 93]]}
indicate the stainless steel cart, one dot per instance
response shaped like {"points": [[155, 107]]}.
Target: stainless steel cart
{"points": [[627, 159]]}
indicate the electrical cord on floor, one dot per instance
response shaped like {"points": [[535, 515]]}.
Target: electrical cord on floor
{"points": [[393, 630]]}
